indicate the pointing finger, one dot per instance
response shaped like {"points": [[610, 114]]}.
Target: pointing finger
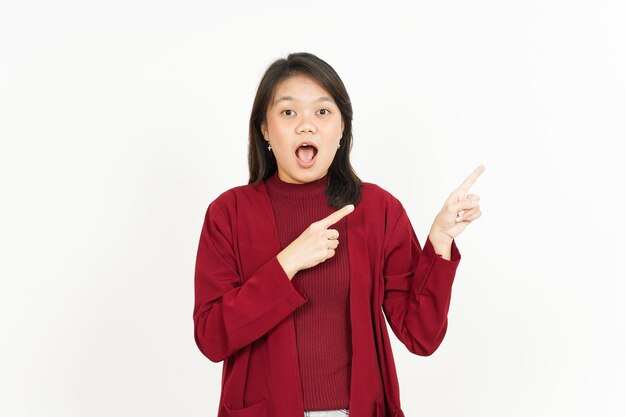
{"points": [[471, 179], [336, 216]]}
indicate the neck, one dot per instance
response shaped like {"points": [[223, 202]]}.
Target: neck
{"points": [[312, 189]]}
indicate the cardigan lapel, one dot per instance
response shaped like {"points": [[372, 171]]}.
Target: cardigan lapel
{"points": [[366, 391], [260, 243]]}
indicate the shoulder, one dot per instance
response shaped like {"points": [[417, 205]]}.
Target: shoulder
{"points": [[238, 196], [378, 199], [373, 191], [228, 197]]}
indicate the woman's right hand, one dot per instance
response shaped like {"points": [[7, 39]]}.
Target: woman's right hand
{"points": [[316, 244]]}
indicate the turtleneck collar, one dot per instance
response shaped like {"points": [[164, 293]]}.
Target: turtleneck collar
{"points": [[313, 189]]}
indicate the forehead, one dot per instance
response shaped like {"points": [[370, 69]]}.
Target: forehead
{"points": [[300, 88]]}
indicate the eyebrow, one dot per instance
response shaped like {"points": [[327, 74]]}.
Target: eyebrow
{"points": [[289, 98]]}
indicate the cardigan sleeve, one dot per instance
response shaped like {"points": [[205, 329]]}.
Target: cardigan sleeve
{"points": [[418, 286], [228, 313]]}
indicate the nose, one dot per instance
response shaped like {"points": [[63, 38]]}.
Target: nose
{"points": [[306, 125]]}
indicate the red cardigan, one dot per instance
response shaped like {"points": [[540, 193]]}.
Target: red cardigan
{"points": [[244, 303]]}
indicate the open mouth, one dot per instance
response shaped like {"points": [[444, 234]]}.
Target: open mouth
{"points": [[306, 153]]}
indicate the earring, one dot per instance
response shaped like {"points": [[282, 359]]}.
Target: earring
{"points": [[269, 147]]}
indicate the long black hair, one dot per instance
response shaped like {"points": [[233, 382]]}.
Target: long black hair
{"points": [[344, 186]]}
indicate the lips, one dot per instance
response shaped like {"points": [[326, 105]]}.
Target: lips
{"points": [[307, 143], [306, 152]]}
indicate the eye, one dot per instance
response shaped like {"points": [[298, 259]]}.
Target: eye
{"points": [[325, 110], [287, 110]]}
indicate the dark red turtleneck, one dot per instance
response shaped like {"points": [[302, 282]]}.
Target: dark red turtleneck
{"points": [[323, 322]]}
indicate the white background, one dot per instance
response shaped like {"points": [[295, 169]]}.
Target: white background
{"points": [[121, 120]]}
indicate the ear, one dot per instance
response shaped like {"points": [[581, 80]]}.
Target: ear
{"points": [[264, 130], [343, 126]]}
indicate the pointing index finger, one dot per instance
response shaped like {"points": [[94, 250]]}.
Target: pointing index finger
{"points": [[471, 178], [337, 215]]}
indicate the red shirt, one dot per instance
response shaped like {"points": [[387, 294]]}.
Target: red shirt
{"points": [[245, 303]]}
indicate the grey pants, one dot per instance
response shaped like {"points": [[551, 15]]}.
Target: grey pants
{"points": [[342, 412]]}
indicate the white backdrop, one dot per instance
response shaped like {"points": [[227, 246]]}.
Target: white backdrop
{"points": [[120, 121]]}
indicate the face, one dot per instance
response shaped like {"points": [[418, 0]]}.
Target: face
{"points": [[302, 111]]}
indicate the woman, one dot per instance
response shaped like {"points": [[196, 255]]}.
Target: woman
{"points": [[295, 269]]}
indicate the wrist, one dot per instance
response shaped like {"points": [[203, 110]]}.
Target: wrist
{"points": [[442, 244], [289, 269], [440, 238]]}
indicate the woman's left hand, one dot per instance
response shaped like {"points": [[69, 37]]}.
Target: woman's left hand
{"points": [[459, 210]]}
